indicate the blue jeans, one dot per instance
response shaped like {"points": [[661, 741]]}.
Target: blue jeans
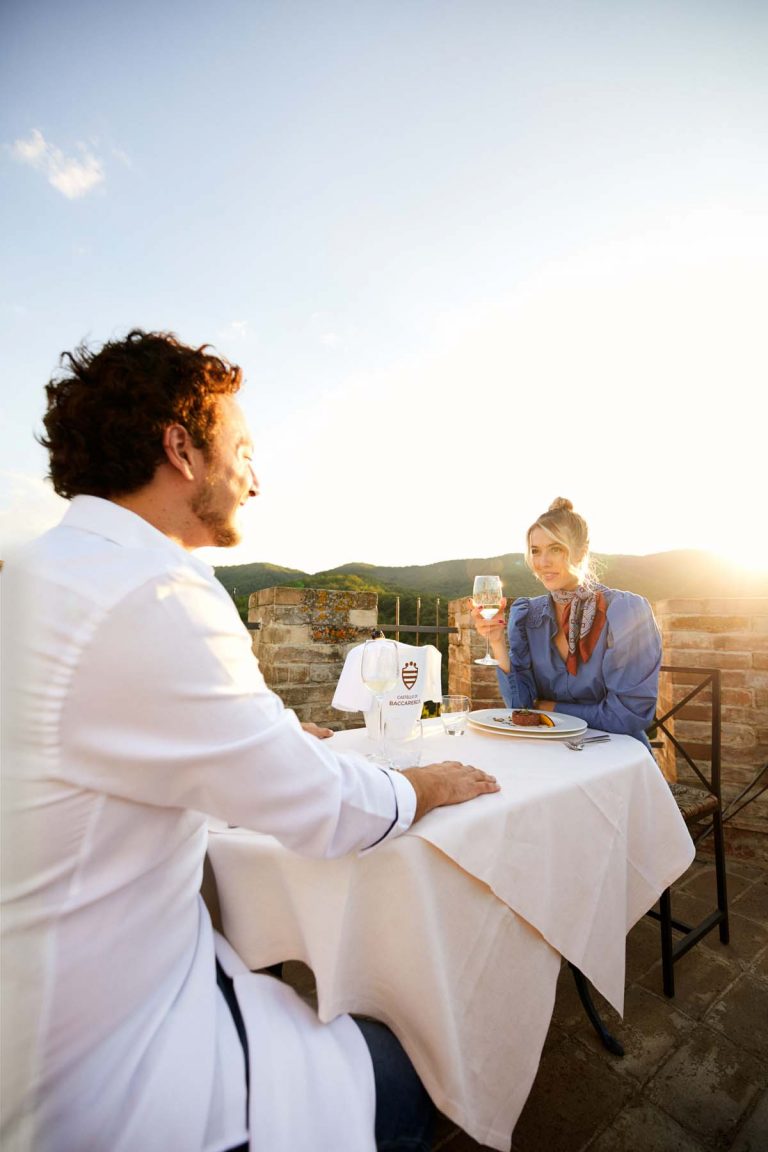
{"points": [[405, 1115]]}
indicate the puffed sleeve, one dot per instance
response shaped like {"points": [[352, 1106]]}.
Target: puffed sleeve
{"points": [[630, 669], [518, 687]]}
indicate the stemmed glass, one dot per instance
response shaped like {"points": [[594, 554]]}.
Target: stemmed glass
{"points": [[486, 595], [380, 667]]}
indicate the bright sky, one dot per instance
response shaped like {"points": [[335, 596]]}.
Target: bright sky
{"points": [[471, 254]]}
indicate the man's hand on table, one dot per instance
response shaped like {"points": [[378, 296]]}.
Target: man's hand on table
{"points": [[316, 730], [447, 783]]}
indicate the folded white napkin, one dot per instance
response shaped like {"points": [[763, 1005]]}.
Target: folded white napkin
{"points": [[419, 681]]}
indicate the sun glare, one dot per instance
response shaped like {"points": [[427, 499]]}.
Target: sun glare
{"points": [[753, 562]]}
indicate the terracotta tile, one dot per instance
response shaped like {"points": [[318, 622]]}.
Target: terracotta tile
{"points": [[760, 965], [708, 1085], [753, 902], [753, 1134], [742, 1014], [652, 1028], [747, 939], [746, 868], [703, 884], [574, 1096], [642, 1128]]}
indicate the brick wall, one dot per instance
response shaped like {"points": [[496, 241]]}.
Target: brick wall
{"points": [[464, 676], [732, 635]]}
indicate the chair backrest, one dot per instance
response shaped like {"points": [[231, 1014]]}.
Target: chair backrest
{"points": [[686, 735]]}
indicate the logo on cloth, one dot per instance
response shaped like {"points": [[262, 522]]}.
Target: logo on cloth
{"points": [[410, 673]]}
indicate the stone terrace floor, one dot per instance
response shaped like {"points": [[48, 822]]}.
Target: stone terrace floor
{"points": [[694, 1077]]}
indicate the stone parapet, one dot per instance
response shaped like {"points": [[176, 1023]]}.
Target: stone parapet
{"points": [[302, 644]]}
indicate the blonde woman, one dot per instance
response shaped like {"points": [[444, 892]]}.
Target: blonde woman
{"points": [[581, 648]]}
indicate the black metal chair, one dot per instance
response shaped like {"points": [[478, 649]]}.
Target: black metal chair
{"points": [[701, 806]]}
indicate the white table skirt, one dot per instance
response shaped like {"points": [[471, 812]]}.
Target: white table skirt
{"points": [[578, 843], [462, 961]]}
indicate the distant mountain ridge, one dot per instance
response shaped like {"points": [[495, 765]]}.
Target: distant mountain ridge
{"points": [[660, 576]]}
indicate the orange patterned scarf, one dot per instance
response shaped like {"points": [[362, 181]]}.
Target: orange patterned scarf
{"points": [[583, 621]]}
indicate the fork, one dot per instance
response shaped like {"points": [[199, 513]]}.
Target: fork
{"points": [[578, 745]]}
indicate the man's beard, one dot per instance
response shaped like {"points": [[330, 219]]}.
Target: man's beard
{"points": [[225, 533]]}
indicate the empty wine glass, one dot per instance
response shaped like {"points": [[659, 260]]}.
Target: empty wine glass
{"points": [[486, 595], [379, 668]]}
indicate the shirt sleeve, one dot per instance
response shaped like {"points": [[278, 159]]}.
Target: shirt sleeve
{"points": [[518, 686], [630, 670], [168, 707]]}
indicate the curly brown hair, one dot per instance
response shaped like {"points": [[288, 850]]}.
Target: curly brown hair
{"points": [[108, 409]]}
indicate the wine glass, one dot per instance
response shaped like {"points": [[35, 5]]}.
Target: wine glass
{"points": [[486, 595], [380, 668]]}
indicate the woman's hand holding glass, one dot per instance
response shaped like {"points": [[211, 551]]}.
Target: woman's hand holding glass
{"points": [[494, 632], [493, 628], [487, 600]]}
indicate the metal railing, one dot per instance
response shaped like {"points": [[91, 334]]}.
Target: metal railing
{"points": [[436, 629]]}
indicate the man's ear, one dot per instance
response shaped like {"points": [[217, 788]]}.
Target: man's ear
{"points": [[179, 450]]}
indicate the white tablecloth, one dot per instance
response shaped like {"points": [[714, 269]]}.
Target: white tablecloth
{"points": [[453, 933]]}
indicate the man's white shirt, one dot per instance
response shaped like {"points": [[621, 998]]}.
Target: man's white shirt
{"points": [[134, 709]]}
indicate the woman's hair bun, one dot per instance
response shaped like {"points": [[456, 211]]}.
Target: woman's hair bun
{"points": [[561, 505]]}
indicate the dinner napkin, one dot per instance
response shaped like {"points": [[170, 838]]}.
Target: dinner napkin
{"points": [[420, 668]]}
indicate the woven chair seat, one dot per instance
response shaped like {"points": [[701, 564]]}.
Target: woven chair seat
{"points": [[694, 803]]}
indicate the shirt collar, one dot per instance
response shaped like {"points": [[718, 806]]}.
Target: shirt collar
{"points": [[118, 524], [543, 607]]}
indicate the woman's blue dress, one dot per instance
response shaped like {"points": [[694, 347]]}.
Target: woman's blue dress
{"points": [[615, 690]]}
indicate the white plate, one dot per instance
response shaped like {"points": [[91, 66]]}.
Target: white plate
{"points": [[564, 725]]}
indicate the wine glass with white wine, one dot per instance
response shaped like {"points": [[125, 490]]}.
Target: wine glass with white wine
{"points": [[486, 595], [380, 668]]}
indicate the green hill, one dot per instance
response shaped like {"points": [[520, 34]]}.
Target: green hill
{"points": [[661, 576]]}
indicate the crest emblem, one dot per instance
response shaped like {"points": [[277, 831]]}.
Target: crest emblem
{"points": [[410, 673]]}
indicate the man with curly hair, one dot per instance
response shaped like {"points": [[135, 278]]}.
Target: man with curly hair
{"points": [[134, 710]]}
